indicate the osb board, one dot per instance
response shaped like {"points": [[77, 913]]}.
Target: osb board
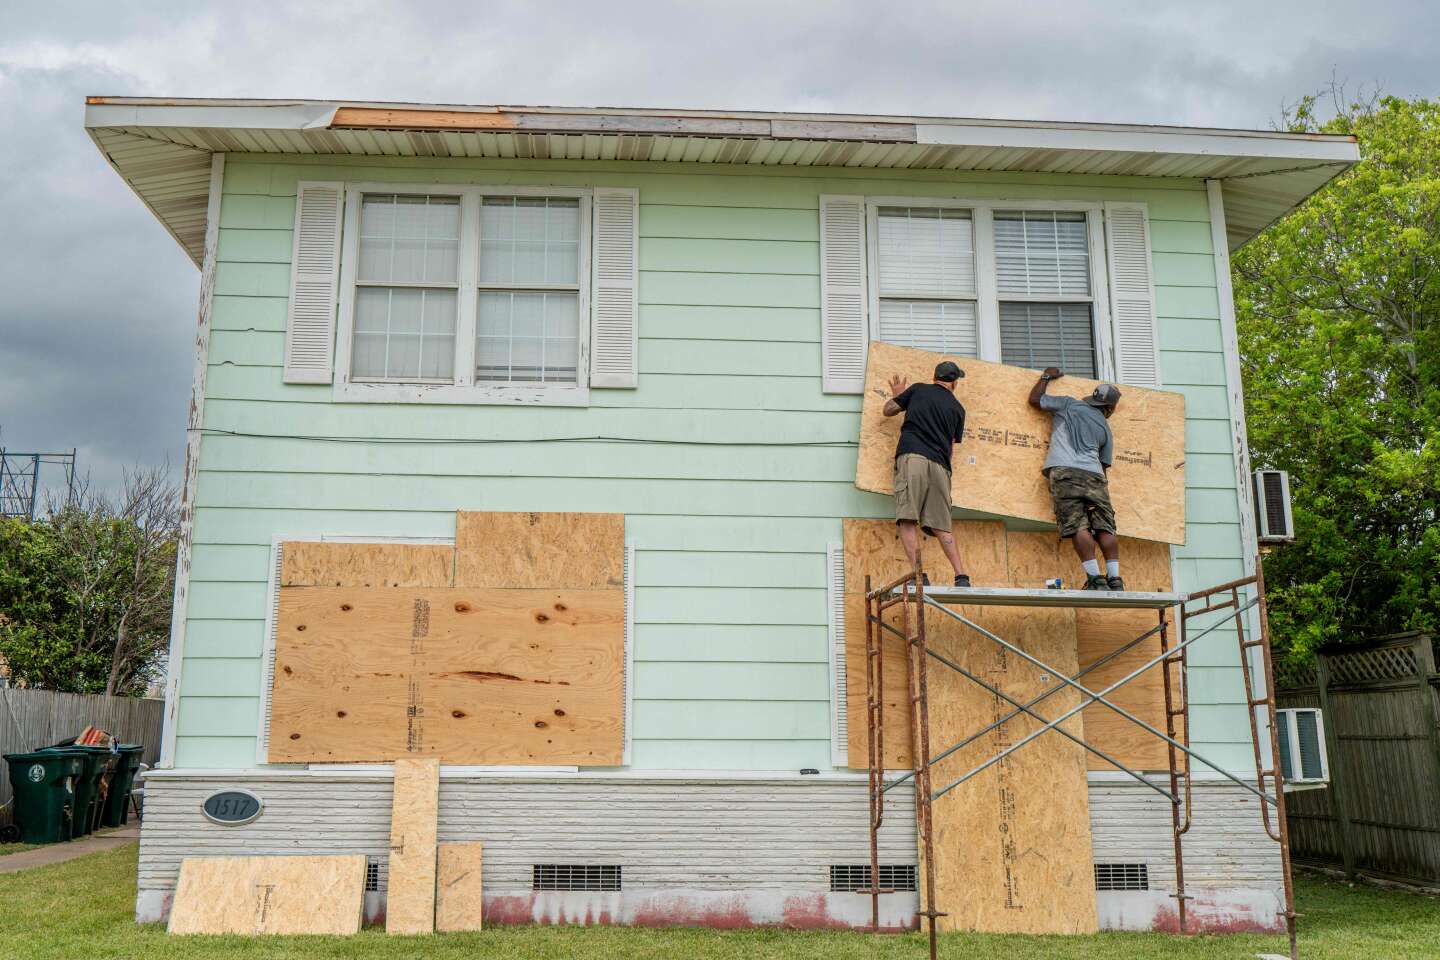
{"points": [[1029, 560], [254, 895], [873, 547], [459, 899], [997, 467], [1145, 565], [479, 676], [578, 550], [308, 563], [1011, 845], [414, 813]]}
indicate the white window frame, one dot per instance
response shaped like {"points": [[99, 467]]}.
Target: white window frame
{"points": [[463, 389], [987, 295]]}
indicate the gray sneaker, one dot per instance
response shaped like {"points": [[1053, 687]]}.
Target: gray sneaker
{"points": [[1097, 582], [1115, 583]]}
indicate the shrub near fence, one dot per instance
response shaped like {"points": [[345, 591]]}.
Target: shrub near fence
{"points": [[38, 718], [1381, 813]]}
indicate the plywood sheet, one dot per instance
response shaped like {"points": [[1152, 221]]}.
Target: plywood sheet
{"points": [[578, 550], [1145, 565], [414, 812], [459, 899], [309, 563], [255, 895], [1030, 559], [873, 546], [481, 676], [997, 468]]}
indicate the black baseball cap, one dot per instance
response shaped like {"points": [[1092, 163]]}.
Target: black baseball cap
{"points": [[948, 372], [1105, 395]]}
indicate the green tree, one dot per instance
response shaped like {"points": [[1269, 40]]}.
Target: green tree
{"points": [[86, 592], [1340, 344]]}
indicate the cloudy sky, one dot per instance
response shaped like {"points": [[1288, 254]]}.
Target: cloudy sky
{"points": [[98, 302]]}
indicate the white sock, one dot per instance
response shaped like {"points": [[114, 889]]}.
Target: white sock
{"points": [[1112, 568], [1092, 567]]}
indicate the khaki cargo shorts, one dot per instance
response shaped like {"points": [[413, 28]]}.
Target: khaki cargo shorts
{"points": [[1082, 501], [922, 492]]}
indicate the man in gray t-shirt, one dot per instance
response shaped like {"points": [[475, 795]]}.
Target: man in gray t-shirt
{"points": [[1081, 450]]}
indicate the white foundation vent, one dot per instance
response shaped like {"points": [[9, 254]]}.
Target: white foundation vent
{"points": [[575, 876], [855, 877], [1122, 876]]}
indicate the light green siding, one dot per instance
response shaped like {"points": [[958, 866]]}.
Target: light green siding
{"points": [[730, 636]]}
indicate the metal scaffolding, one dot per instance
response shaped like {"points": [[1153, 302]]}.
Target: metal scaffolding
{"points": [[914, 599], [20, 480]]}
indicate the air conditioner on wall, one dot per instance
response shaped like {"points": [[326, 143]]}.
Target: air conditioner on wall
{"points": [[1273, 521], [1301, 732]]}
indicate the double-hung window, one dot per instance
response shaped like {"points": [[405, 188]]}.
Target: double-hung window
{"points": [[465, 294], [926, 273], [1010, 283], [1042, 278]]}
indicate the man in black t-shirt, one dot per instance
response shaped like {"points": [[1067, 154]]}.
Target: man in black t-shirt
{"points": [[934, 422]]}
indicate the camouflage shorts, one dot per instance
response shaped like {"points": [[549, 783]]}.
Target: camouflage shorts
{"points": [[1082, 501]]}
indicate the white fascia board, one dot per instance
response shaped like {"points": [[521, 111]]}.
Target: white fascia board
{"points": [[1239, 144], [279, 116]]}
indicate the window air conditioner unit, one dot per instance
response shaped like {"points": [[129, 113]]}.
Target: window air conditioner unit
{"points": [[1301, 732], [1273, 521]]}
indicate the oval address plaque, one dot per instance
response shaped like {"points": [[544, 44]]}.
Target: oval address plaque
{"points": [[232, 808]]}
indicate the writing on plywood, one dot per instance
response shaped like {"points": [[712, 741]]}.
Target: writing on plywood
{"points": [[997, 467]]}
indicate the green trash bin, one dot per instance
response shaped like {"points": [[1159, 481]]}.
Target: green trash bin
{"points": [[44, 786], [97, 762], [117, 802]]}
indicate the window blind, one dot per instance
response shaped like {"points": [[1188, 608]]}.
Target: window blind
{"points": [[926, 276], [1040, 335], [1042, 254]]}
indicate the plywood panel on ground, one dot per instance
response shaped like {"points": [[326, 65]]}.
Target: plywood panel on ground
{"points": [[459, 898], [480, 676], [582, 550], [997, 467], [255, 895], [414, 813], [309, 563]]}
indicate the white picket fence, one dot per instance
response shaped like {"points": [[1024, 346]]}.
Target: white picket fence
{"points": [[30, 719]]}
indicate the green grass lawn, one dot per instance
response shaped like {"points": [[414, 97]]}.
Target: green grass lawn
{"points": [[82, 910]]}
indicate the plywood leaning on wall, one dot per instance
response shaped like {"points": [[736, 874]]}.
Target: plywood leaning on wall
{"points": [[1012, 844], [414, 819], [459, 893], [997, 467], [378, 657], [259, 895]]}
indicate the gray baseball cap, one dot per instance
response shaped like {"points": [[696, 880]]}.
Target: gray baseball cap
{"points": [[1105, 395]]}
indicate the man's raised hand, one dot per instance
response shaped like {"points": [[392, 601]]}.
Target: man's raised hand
{"points": [[1053, 373], [897, 385]]}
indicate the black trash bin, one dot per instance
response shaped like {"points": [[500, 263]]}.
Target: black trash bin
{"points": [[44, 785], [116, 812], [98, 762]]}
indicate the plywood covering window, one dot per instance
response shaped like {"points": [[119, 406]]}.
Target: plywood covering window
{"points": [[1017, 283], [465, 295]]}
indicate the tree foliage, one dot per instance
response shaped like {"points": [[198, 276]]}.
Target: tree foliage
{"points": [[86, 592], [1339, 321]]}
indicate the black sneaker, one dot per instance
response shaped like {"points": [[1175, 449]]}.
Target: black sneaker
{"points": [[962, 580], [1115, 583], [925, 579], [1097, 582]]}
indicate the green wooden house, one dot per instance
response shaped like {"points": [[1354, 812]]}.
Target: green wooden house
{"points": [[408, 309]]}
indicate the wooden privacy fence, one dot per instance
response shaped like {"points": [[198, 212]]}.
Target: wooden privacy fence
{"points": [[38, 718], [1381, 813]]}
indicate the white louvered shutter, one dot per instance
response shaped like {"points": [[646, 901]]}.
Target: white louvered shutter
{"points": [[615, 288], [1132, 294], [843, 334], [314, 278]]}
